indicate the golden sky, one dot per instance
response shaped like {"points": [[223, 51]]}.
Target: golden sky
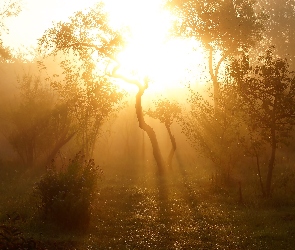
{"points": [[149, 53], [36, 16]]}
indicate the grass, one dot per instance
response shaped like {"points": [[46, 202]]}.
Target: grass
{"points": [[180, 211]]}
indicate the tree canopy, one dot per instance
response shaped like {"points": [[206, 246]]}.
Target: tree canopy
{"points": [[267, 94], [8, 9], [224, 27], [83, 43]]}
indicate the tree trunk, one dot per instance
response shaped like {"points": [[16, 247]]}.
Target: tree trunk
{"points": [[149, 130], [271, 163], [214, 81], [173, 142], [216, 90], [60, 143], [259, 173], [143, 149], [140, 117], [273, 148], [214, 77]]}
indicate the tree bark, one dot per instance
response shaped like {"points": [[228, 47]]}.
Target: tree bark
{"points": [[149, 130], [173, 142], [140, 117]]}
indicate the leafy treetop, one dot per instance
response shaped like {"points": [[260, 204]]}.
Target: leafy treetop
{"points": [[226, 25], [166, 111], [85, 33]]}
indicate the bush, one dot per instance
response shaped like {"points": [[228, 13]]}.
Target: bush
{"points": [[66, 196], [12, 238]]}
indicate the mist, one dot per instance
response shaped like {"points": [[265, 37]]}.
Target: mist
{"points": [[111, 139]]}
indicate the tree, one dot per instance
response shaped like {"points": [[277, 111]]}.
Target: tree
{"points": [[38, 127], [166, 111], [279, 29], [225, 27], [267, 92], [91, 100], [215, 136], [92, 95], [87, 33], [9, 8], [141, 121]]}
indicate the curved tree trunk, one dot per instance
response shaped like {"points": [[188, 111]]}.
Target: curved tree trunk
{"points": [[173, 142], [140, 117], [149, 130]]}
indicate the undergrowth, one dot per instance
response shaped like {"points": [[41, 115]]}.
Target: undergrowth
{"points": [[66, 195]]}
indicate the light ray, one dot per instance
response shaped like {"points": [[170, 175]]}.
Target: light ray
{"points": [[150, 49]]}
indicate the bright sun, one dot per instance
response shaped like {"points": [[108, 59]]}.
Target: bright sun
{"points": [[150, 51]]}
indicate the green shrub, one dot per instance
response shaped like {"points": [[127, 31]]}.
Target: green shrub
{"points": [[66, 196], [12, 238]]}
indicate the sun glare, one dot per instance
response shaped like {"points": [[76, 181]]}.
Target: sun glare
{"points": [[150, 50]]}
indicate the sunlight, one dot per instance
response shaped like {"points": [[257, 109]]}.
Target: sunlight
{"points": [[150, 50], [35, 17]]}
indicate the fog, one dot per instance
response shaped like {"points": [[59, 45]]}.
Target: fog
{"points": [[172, 132]]}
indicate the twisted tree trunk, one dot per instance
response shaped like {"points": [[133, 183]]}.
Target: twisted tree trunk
{"points": [[173, 142], [141, 121], [149, 130]]}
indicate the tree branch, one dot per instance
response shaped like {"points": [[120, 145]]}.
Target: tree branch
{"points": [[126, 79]]}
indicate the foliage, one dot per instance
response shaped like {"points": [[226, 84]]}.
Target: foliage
{"points": [[279, 29], [166, 111], [66, 196], [7, 9], [85, 33], [39, 125], [29, 119], [267, 93], [91, 100], [215, 136], [127, 215], [11, 237], [225, 25], [91, 96]]}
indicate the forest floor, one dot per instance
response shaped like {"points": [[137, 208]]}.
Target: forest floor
{"points": [[175, 212]]}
